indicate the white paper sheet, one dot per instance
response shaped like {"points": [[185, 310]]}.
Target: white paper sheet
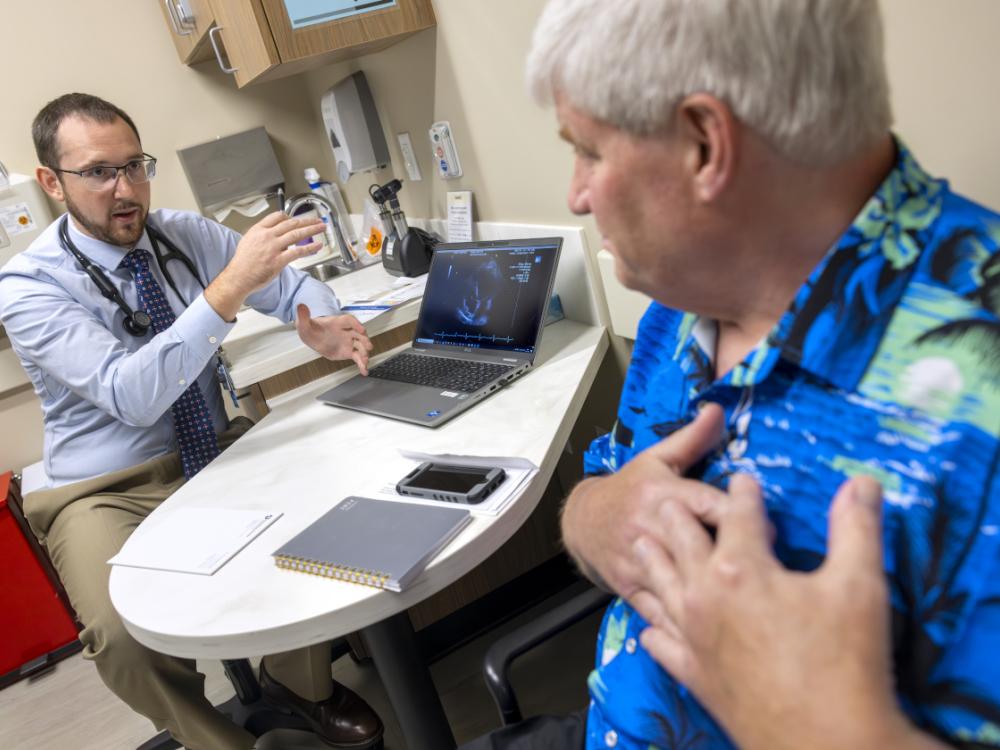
{"points": [[249, 206], [192, 540], [366, 308], [460, 216]]}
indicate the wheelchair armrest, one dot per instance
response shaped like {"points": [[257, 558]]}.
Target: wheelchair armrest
{"points": [[496, 663]]}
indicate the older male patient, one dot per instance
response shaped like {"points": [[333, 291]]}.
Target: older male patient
{"points": [[825, 313], [121, 350]]}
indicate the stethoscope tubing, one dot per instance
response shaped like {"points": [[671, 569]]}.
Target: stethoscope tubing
{"points": [[137, 322]]}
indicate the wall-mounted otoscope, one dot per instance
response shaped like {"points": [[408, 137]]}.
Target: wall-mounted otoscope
{"points": [[406, 251]]}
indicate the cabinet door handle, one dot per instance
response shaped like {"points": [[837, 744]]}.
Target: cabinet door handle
{"points": [[218, 53], [172, 13]]}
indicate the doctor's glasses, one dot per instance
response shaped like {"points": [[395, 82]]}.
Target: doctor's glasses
{"points": [[103, 176]]}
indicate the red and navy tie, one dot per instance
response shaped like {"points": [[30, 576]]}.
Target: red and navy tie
{"points": [[193, 422]]}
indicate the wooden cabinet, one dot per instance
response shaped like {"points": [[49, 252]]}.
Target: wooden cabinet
{"points": [[255, 39], [189, 22]]}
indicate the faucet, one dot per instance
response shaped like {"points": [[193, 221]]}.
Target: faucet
{"points": [[333, 229]]}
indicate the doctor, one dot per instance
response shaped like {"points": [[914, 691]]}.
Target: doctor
{"points": [[117, 314]]}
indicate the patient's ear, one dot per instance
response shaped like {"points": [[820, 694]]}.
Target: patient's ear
{"points": [[709, 130], [50, 183]]}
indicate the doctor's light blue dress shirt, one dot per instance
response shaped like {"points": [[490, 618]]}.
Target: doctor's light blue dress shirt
{"points": [[105, 394]]}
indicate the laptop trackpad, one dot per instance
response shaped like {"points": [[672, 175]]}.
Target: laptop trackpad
{"points": [[416, 403]]}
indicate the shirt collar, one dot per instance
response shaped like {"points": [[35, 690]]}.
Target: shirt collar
{"points": [[104, 254], [837, 319]]}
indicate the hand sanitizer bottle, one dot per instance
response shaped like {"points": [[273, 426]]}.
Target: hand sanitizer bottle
{"points": [[343, 223]]}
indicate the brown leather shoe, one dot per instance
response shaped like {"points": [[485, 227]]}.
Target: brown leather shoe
{"points": [[343, 720]]}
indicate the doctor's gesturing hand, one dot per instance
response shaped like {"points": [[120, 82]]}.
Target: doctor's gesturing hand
{"points": [[603, 516], [334, 336], [782, 659], [260, 256]]}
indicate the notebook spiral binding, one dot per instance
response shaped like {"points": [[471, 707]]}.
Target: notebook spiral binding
{"points": [[373, 578]]}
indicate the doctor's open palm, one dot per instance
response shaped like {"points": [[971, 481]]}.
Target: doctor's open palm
{"points": [[334, 336]]}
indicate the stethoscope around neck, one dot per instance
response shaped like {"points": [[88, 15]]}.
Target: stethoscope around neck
{"points": [[137, 322]]}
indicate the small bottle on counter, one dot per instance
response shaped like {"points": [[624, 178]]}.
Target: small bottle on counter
{"points": [[343, 223]]}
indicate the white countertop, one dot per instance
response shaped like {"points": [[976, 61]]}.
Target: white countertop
{"points": [[305, 456]]}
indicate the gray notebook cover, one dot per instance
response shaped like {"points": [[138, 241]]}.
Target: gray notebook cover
{"points": [[374, 542]]}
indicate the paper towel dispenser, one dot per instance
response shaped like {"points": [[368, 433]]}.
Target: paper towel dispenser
{"points": [[227, 169], [353, 128]]}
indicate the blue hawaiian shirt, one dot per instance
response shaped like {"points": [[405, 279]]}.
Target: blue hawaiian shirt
{"points": [[886, 363]]}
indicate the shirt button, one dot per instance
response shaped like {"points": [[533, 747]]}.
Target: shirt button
{"points": [[212, 340], [182, 381], [630, 645], [737, 448], [611, 738]]}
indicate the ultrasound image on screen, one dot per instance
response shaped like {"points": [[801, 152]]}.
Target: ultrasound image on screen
{"points": [[489, 299]]}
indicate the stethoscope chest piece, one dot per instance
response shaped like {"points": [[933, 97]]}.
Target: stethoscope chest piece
{"points": [[138, 322]]}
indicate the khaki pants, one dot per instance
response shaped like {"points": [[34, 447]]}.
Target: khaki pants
{"points": [[83, 525]]}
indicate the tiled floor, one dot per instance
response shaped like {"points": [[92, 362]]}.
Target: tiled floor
{"points": [[70, 709]]}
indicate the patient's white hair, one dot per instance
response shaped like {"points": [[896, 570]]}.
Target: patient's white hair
{"points": [[806, 75]]}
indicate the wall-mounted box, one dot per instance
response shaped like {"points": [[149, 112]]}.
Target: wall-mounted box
{"points": [[230, 168], [24, 214]]}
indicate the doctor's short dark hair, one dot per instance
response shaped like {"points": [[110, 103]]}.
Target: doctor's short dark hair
{"points": [[47, 121]]}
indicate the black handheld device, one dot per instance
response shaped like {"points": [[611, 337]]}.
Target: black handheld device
{"points": [[452, 483]]}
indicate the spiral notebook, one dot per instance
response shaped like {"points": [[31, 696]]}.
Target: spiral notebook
{"points": [[378, 543]]}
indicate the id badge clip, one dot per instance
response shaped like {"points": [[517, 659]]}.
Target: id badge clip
{"points": [[225, 380]]}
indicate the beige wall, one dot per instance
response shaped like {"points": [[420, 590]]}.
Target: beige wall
{"points": [[943, 61], [402, 81], [468, 70], [122, 51]]}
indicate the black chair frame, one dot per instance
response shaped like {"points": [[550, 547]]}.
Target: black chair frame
{"points": [[500, 656]]}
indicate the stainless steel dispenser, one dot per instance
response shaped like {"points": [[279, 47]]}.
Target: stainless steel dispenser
{"points": [[227, 169]]}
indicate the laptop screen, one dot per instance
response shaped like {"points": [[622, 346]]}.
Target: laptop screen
{"points": [[488, 296]]}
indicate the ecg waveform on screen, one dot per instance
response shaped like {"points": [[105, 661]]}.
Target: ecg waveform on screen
{"points": [[476, 337]]}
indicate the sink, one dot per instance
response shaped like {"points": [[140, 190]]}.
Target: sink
{"points": [[325, 271], [329, 268]]}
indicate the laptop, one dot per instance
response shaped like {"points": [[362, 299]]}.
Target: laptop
{"points": [[479, 327]]}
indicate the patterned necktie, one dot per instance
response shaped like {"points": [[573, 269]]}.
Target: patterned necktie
{"points": [[193, 422]]}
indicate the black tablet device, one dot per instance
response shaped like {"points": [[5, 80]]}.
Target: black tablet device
{"points": [[450, 482]]}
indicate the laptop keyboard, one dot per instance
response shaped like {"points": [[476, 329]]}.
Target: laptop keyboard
{"points": [[438, 372]]}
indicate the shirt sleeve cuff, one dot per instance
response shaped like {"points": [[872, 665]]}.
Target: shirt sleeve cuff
{"points": [[318, 297], [201, 328]]}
